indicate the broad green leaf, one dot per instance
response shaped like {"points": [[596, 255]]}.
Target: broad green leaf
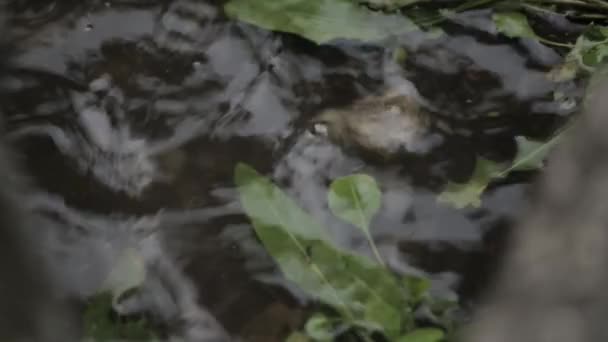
{"points": [[461, 195], [355, 199], [513, 25], [347, 282], [320, 21], [423, 335], [268, 205]]}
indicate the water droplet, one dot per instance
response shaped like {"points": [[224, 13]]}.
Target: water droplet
{"points": [[196, 64]]}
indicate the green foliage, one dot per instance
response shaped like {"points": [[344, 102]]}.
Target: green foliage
{"points": [[461, 195], [356, 199], [423, 335], [530, 156], [366, 295], [588, 54], [126, 276], [320, 21], [513, 25], [100, 326]]}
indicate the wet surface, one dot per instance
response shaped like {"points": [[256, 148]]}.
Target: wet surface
{"points": [[131, 116]]}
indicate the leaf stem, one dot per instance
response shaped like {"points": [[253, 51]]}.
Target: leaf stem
{"points": [[377, 255], [554, 43]]}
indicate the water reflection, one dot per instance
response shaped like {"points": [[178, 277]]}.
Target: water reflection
{"points": [[133, 114]]}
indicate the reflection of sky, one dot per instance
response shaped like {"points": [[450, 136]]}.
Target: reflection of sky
{"points": [[223, 97], [50, 48]]}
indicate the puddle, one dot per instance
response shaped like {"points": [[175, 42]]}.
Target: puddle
{"points": [[131, 116]]}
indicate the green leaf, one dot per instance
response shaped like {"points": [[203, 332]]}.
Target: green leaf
{"points": [[99, 325], [320, 328], [269, 206], [347, 282], [461, 195], [320, 21], [418, 288], [355, 199], [530, 154], [423, 335], [513, 25]]}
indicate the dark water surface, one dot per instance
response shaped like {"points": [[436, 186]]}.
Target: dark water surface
{"points": [[131, 116]]}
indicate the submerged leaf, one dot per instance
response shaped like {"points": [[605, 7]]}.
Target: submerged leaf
{"points": [[513, 25], [530, 154], [355, 199], [99, 325], [319, 20], [423, 335], [347, 282], [461, 195]]}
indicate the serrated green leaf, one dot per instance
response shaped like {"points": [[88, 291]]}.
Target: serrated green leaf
{"points": [[423, 335], [462, 195], [513, 25], [320, 21], [347, 282]]}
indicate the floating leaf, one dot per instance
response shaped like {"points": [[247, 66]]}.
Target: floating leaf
{"points": [[320, 21], [347, 282], [461, 195], [513, 25], [530, 154], [423, 335]]}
